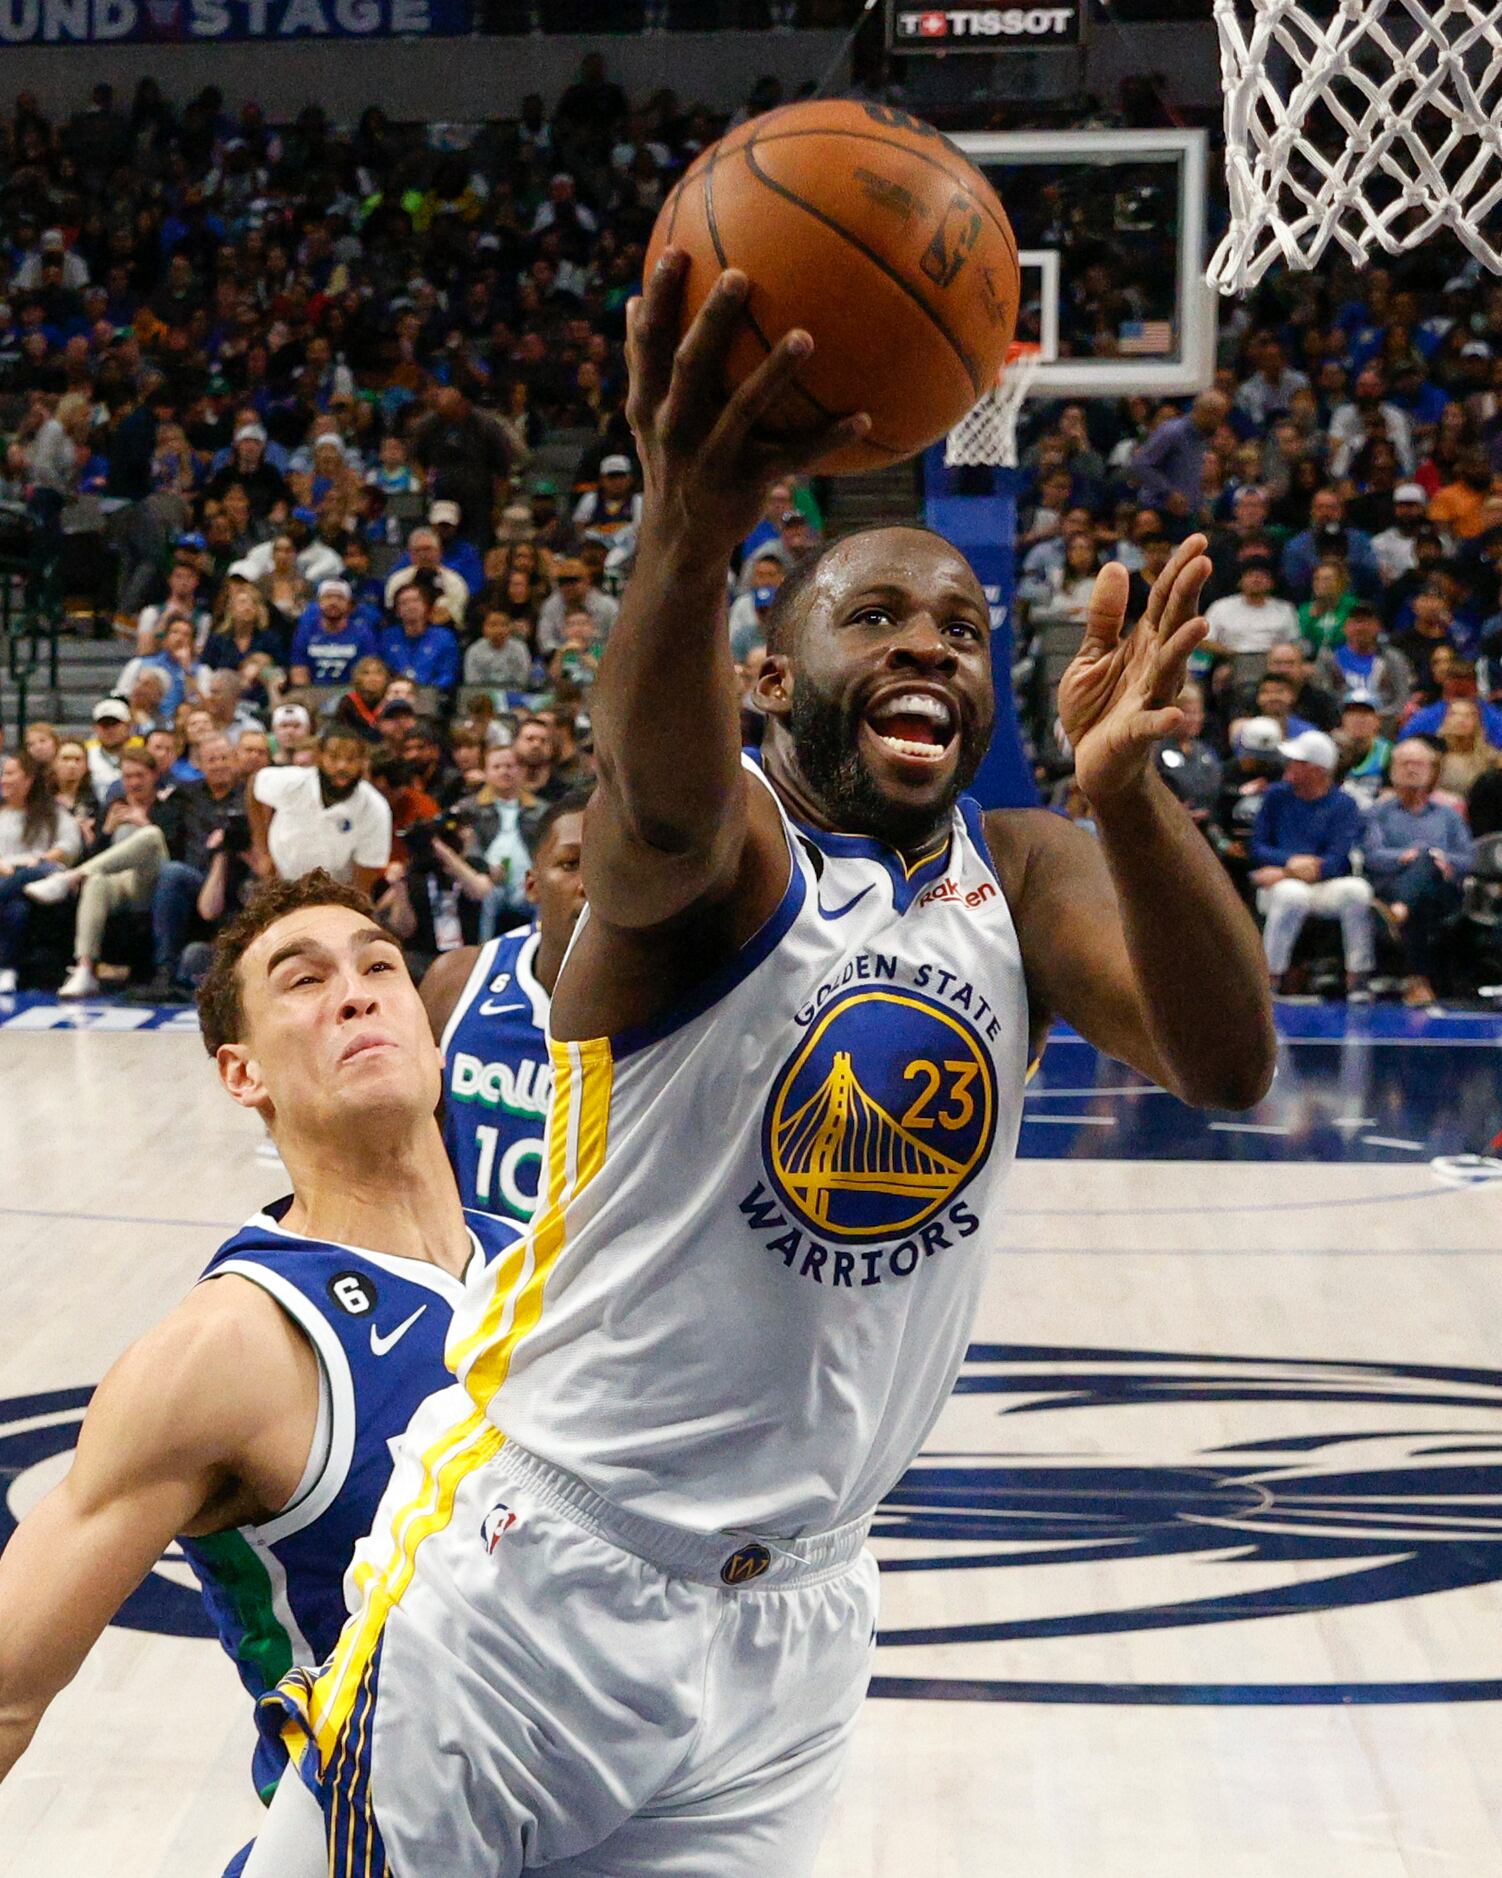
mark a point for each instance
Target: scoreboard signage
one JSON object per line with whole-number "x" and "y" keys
{"x": 983, "y": 29}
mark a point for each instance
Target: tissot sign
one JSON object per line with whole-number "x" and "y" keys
{"x": 983, "y": 29}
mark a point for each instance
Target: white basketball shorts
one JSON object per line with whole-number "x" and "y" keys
{"x": 533, "y": 1678}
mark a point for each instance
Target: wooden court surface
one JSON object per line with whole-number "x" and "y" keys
{"x": 1199, "y": 1572}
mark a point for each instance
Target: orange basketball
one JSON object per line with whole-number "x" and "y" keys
{"x": 870, "y": 230}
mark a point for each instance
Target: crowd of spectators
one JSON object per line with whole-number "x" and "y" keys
{"x": 308, "y": 383}
{"x": 1344, "y": 728}
{"x": 299, "y": 382}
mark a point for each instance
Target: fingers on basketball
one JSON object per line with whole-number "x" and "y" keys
{"x": 652, "y": 323}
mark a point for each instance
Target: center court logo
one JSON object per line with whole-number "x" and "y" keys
{"x": 36, "y": 1431}
{"x": 880, "y": 1117}
{"x": 1140, "y": 1526}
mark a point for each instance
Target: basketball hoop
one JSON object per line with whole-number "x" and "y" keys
{"x": 1374, "y": 125}
{"x": 987, "y": 433}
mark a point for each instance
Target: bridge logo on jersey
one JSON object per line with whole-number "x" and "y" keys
{"x": 1136, "y": 1526}
{"x": 880, "y": 1117}
{"x": 37, "y": 1437}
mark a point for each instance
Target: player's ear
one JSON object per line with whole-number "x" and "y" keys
{"x": 240, "y": 1074}
{"x": 773, "y": 688}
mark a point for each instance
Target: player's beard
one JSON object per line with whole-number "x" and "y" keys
{"x": 826, "y": 741}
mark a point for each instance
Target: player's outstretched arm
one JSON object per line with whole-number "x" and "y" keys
{"x": 1139, "y": 940}
{"x": 668, "y": 823}
{"x": 173, "y": 1432}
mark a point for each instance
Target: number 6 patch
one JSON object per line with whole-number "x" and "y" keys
{"x": 353, "y": 1292}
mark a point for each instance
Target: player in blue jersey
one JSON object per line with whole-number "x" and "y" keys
{"x": 488, "y": 1006}
{"x": 253, "y": 1423}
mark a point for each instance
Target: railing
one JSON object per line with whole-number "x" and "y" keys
{"x": 28, "y": 632}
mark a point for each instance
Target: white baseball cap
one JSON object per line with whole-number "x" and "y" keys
{"x": 616, "y": 466}
{"x": 1259, "y": 736}
{"x": 250, "y": 431}
{"x": 335, "y": 585}
{"x": 1311, "y": 746}
{"x": 1411, "y": 492}
{"x": 444, "y": 512}
{"x": 111, "y": 710}
{"x": 291, "y": 717}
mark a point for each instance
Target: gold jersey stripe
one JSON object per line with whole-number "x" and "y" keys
{"x": 580, "y": 1126}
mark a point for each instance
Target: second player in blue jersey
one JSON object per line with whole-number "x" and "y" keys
{"x": 489, "y": 1009}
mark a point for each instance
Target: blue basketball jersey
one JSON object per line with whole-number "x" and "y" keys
{"x": 276, "y": 1591}
{"x": 497, "y": 1080}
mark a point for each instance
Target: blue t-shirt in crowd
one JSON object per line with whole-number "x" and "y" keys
{"x": 1426, "y": 723}
{"x": 464, "y": 558}
{"x": 1357, "y": 667}
{"x": 331, "y": 658}
{"x": 430, "y": 659}
{"x": 1287, "y": 825}
{"x": 1391, "y": 830}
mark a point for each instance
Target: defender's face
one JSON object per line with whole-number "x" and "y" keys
{"x": 335, "y": 1034}
{"x": 886, "y": 692}
{"x": 555, "y": 884}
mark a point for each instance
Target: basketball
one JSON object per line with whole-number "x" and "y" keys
{"x": 870, "y": 230}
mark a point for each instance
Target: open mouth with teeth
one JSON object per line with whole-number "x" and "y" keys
{"x": 915, "y": 726}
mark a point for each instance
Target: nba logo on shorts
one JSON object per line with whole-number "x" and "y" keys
{"x": 496, "y": 1523}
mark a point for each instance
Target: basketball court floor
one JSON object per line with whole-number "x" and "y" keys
{"x": 1199, "y": 1572}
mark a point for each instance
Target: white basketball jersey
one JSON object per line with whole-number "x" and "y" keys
{"x": 749, "y": 1285}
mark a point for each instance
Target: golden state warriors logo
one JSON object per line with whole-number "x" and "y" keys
{"x": 881, "y": 1117}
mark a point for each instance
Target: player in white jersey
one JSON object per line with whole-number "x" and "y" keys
{"x": 616, "y": 1616}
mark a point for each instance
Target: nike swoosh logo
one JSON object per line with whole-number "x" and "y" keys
{"x": 499, "y": 1010}
{"x": 839, "y": 912}
{"x": 379, "y": 1345}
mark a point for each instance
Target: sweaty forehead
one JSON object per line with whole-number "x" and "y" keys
{"x": 922, "y": 564}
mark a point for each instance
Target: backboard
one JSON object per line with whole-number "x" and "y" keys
{"x": 1110, "y": 225}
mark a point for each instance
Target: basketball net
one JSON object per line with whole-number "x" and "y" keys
{"x": 1372, "y": 123}
{"x": 987, "y": 433}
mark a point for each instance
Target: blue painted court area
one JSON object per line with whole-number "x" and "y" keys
{"x": 1373, "y": 1084}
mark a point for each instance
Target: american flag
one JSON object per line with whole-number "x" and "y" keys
{"x": 1145, "y": 338}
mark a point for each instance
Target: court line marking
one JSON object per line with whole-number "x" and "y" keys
{"x": 1351, "y": 1037}
{"x": 1248, "y": 1252}
{"x": 1439, "y": 1191}
{"x": 116, "y": 1219}
{"x": 1185, "y": 1695}
{"x": 1069, "y": 1121}
{"x": 1250, "y": 1128}
{"x": 1390, "y": 1141}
